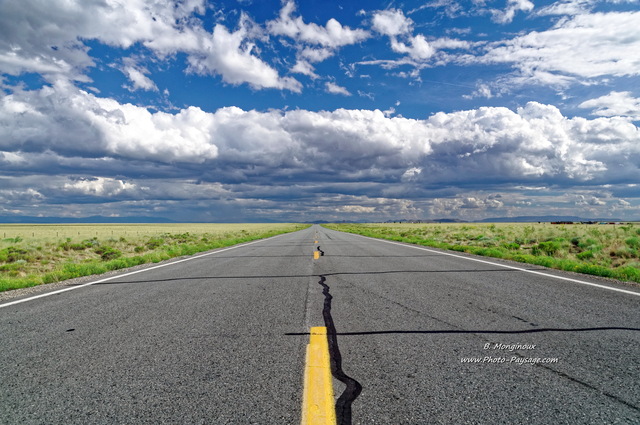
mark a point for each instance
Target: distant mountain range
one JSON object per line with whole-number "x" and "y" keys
{"x": 145, "y": 219}
{"x": 544, "y": 219}
{"x": 21, "y": 219}
{"x": 519, "y": 219}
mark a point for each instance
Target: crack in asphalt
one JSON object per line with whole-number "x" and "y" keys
{"x": 353, "y": 387}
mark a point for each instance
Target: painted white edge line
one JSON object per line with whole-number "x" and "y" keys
{"x": 503, "y": 265}
{"x": 134, "y": 272}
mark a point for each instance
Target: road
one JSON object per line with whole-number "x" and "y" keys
{"x": 220, "y": 339}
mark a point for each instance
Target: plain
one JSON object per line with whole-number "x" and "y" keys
{"x": 608, "y": 250}
{"x": 34, "y": 254}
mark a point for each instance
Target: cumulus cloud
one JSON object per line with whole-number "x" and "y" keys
{"x": 305, "y": 68}
{"x": 418, "y": 49}
{"x": 590, "y": 201}
{"x": 314, "y": 43}
{"x": 59, "y": 143}
{"x": 137, "y": 76}
{"x": 336, "y": 207}
{"x": 336, "y": 89}
{"x": 454, "y": 9}
{"x": 475, "y": 203}
{"x": 534, "y": 143}
{"x": 381, "y": 157}
{"x": 483, "y": 90}
{"x": 22, "y": 195}
{"x": 316, "y": 54}
{"x": 332, "y": 35}
{"x": 48, "y": 38}
{"x": 70, "y": 121}
{"x": 229, "y": 55}
{"x": 139, "y": 79}
{"x": 356, "y": 209}
{"x": 99, "y": 186}
{"x": 450, "y": 43}
{"x": 399, "y": 28}
{"x": 513, "y": 6}
{"x": 391, "y": 22}
{"x": 411, "y": 174}
{"x": 473, "y": 206}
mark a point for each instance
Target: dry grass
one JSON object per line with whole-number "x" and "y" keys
{"x": 605, "y": 250}
{"x": 40, "y": 253}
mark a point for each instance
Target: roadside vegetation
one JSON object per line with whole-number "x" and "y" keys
{"x": 36, "y": 254}
{"x": 611, "y": 250}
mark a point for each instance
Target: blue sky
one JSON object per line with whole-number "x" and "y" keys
{"x": 267, "y": 110}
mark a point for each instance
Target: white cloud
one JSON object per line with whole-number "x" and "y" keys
{"x": 314, "y": 43}
{"x": 48, "y": 38}
{"x": 337, "y": 207}
{"x": 371, "y": 160}
{"x": 450, "y": 43}
{"x": 389, "y": 112}
{"x": 26, "y": 195}
{"x": 450, "y": 8}
{"x": 136, "y": 75}
{"x": 419, "y": 49}
{"x": 356, "y": 209}
{"x": 333, "y": 88}
{"x": 392, "y": 23}
{"x": 316, "y": 55}
{"x": 99, "y": 186}
{"x": 506, "y": 16}
{"x": 70, "y": 121}
{"x": 589, "y": 200}
{"x": 372, "y": 157}
{"x": 483, "y": 90}
{"x": 228, "y": 54}
{"x": 332, "y": 35}
{"x": 368, "y": 95}
{"x": 576, "y": 7}
{"x": 305, "y": 68}
{"x": 566, "y": 7}
{"x": 411, "y": 174}
{"x": 399, "y": 28}
{"x": 12, "y": 158}
{"x": 585, "y": 46}
{"x": 134, "y": 132}
{"x": 614, "y": 104}
{"x": 469, "y": 206}
{"x": 139, "y": 80}
{"x": 534, "y": 145}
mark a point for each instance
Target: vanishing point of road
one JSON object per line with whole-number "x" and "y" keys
{"x": 416, "y": 336}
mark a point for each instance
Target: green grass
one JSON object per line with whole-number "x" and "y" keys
{"x": 601, "y": 250}
{"x": 32, "y": 255}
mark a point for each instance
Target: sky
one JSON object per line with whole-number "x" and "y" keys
{"x": 303, "y": 110}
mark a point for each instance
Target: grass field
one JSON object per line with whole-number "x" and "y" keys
{"x": 603, "y": 250}
{"x": 34, "y": 254}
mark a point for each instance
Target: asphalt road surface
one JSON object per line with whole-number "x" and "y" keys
{"x": 417, "y": 336}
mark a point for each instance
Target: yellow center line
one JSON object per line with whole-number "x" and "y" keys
{"x": 316, "y": 255}
{"x": 318, "y": 406}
